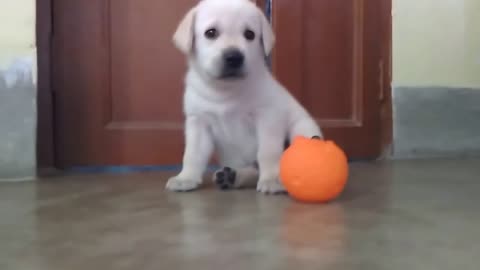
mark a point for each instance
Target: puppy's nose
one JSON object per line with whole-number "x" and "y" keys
{"x": 233, "y": 58}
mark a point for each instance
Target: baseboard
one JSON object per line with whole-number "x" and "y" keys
{"x": 17, "y": 180}
{"x": 436, "y": 122}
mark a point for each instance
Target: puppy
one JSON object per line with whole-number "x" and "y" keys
{"x": 232, "y": 103}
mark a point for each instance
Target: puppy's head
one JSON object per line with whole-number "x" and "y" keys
{"x": 225, "y": 39}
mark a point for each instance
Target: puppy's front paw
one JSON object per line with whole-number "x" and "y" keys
{"x": 182, "y": 185}
{"x": 270, "y": 187}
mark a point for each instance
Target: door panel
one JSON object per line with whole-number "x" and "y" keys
{"x": 118, "y": 81}
{"x": 328, "y": 55}
{"x": 144, "y": 83}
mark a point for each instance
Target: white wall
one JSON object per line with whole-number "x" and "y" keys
{"x": 17, "y": 89}
{"x": 436, "y": 43}
{"x": 17, "y": 30}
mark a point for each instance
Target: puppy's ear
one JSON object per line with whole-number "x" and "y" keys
{"x": 268, "y": 37}
{"x": 184, "y": 35}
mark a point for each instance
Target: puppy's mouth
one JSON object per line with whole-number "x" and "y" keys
{"x": 232, "y": 75}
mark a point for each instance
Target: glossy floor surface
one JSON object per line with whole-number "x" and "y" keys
{"x": 401, "y": 215}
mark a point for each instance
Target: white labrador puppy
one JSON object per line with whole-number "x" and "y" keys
{"x": 232, "y": 103}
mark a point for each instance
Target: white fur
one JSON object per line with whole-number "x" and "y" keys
{"x": 246, "y": 121}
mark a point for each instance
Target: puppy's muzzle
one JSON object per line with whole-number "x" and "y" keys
{"x": 233, "y": 63}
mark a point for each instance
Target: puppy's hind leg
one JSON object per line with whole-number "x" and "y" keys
{"x": 229, "y": 178}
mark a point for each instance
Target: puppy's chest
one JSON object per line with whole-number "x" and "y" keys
{"x": 233, "y": 126}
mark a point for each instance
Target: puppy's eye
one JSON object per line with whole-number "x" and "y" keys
{"x": 211, "y": 33}
{"x": 249, "y": 35}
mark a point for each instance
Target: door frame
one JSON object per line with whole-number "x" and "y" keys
{"x": 46, "y": 94}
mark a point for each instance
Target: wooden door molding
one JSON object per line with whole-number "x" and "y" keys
{"x": 387, "y": 101}
{"x": 45, "y": 127}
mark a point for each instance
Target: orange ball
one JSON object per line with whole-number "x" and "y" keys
{"x": 314, "y": 170}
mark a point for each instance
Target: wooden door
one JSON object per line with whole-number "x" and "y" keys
{"x": 329, "y": 54}
{"x": 118, "y": 80}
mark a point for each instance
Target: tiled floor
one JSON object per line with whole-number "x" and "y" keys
{"x": 403, "y": 215}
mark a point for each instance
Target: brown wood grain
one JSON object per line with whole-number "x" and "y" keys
{"x": 329, "y": 54}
